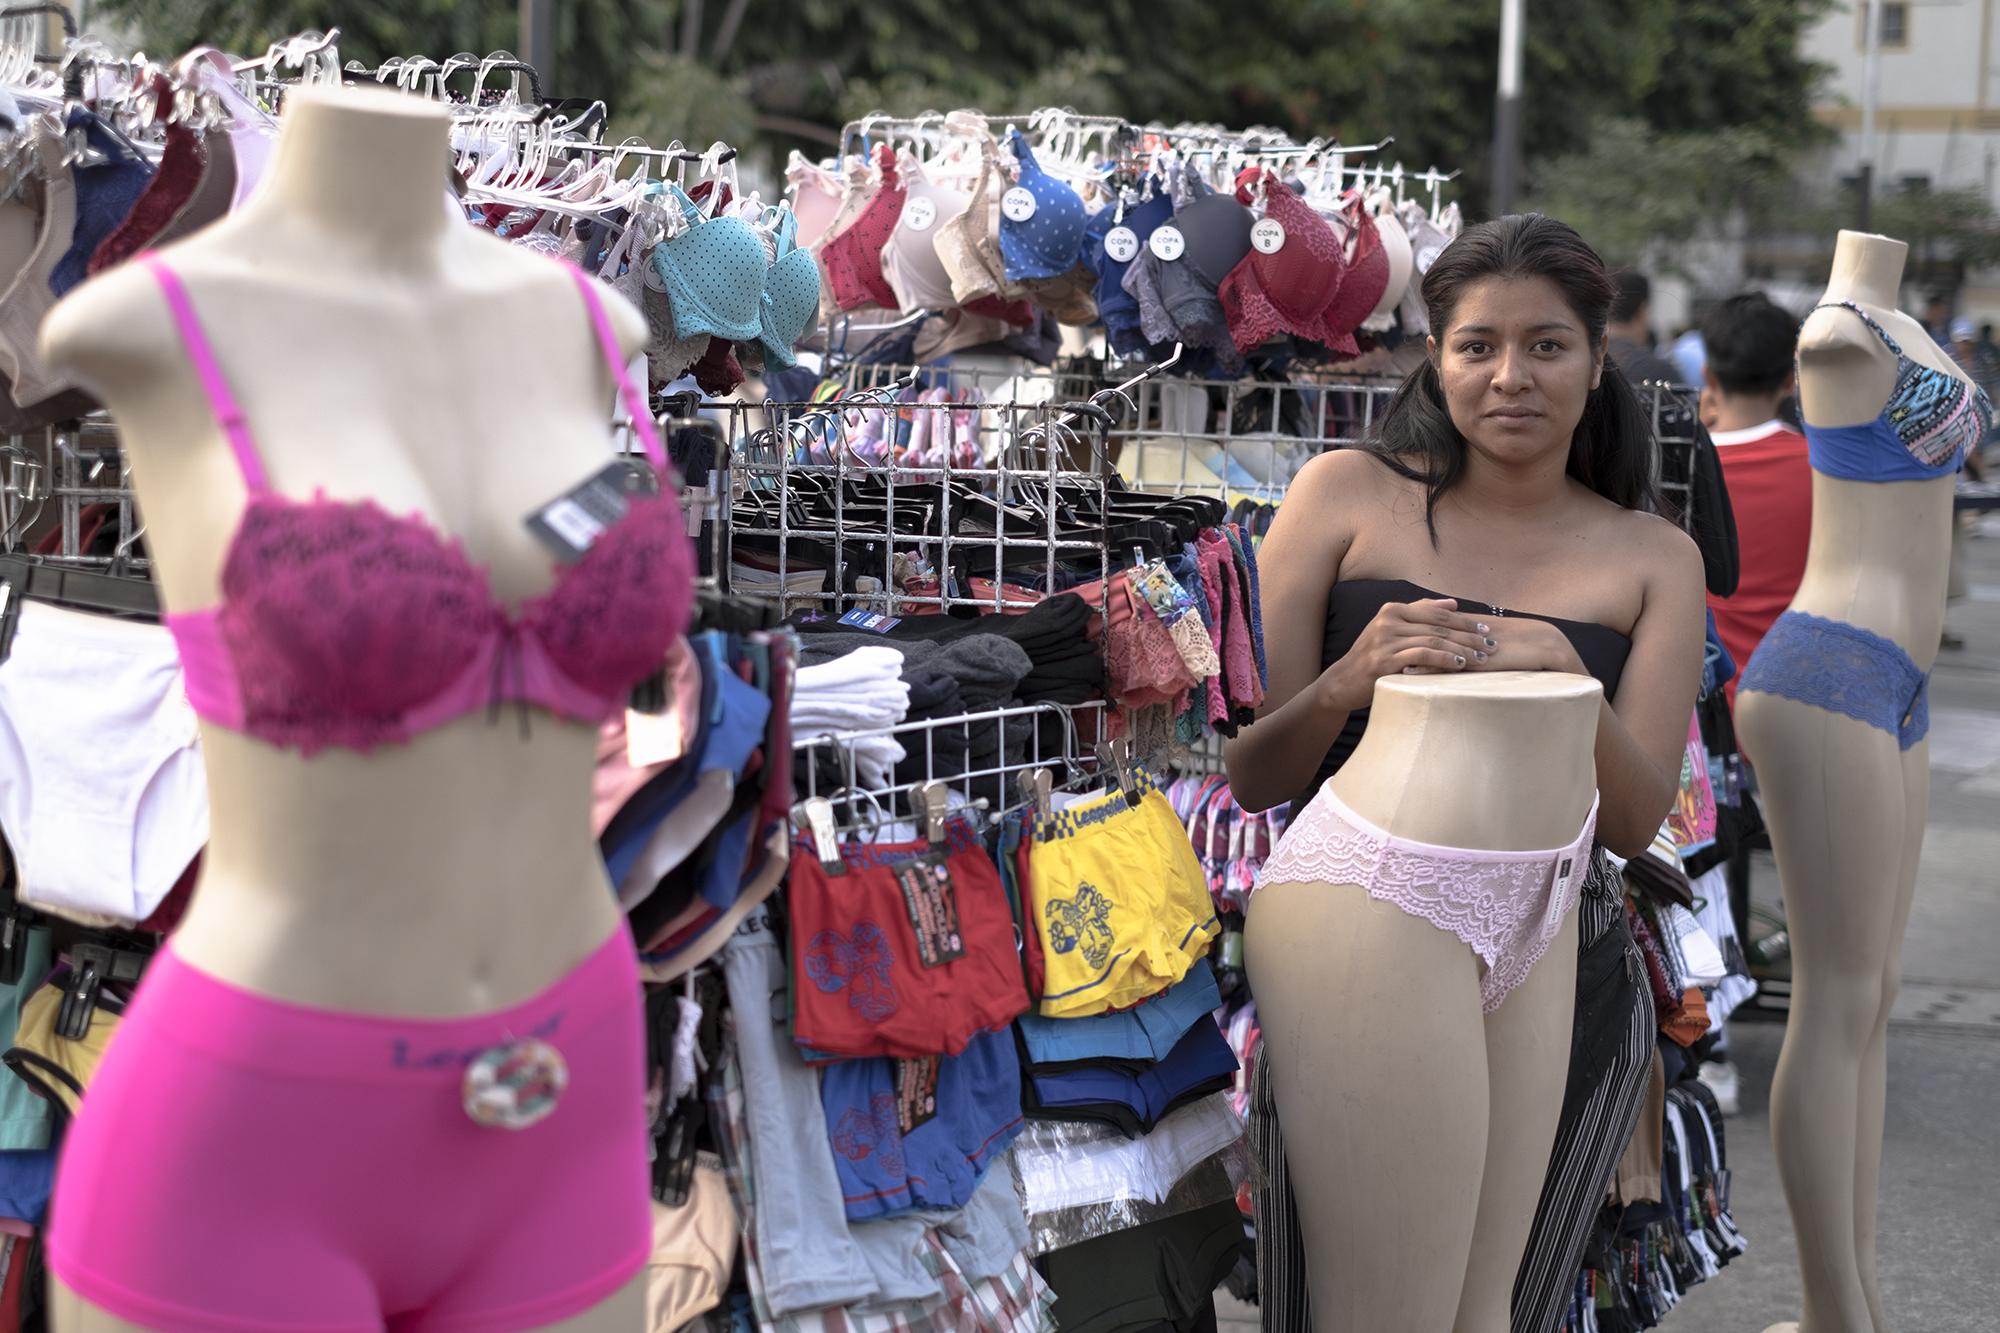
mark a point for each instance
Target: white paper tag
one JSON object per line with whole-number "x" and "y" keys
{"x": 1565, "y": 868}
{"x": 654, "y": 738}
{"x": 1018, "y": 204}
{"x": 1167, "y": 242}
{"x": 919, "y": 214}
{"x": 1268, "y": 236}
{"x": 573, "y": 523}
{"x": 1122, "y": 244}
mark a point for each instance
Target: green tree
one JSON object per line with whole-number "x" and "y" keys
{"x": 1420, "y": 70}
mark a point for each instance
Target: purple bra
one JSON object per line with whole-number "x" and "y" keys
{"x": 341, "y": 624}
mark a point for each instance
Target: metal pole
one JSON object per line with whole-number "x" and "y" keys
{"x": 1871, "y": 84}
{"x": 538, "y": 40}
{"x": 1507, "y": 108}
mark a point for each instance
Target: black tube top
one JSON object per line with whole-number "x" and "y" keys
{"x": 1354, "y": 602}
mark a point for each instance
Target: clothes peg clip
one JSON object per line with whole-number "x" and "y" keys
{"x": 14, "y": 929}
{"x": 815, "y": 814}
{"x": 79, "y": 1001}
{"x": 935, "y": 801}
{"x": 1037, "y": 789}
{"x": 1116, "y": 755}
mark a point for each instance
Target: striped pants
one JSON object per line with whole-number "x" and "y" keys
{"x": 1611, "y": 1056}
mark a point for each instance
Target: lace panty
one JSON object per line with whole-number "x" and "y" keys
{"x": 1843, "y": 669}
{"x": 1506, "y": 906}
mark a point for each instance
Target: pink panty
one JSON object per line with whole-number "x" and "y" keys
{"x": 1507, "y": 906}
{"x": 240, "y": 1163}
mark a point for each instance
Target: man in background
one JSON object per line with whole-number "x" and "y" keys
{"x": 1751, "y": 343}
{"x": 1631, "y": 332}
{"x": 1937, "y": 320}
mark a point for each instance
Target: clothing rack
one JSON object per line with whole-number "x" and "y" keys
{"x": 1049, "y": 737}
{"x": 795, "y": 480}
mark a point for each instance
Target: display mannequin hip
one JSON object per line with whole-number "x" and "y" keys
{"x": 1419, "y": 1129}
{"x": 1846, "y": 801}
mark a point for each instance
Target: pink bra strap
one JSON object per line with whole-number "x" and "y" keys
{"x": 228, "y": 413}
{"x": 635, "y": 402}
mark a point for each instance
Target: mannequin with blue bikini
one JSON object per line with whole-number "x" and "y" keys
{"x": 1833, "y": 711}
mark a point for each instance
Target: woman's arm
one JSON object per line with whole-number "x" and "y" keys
{"x": 1642, "y": 736}
{"x": 1306, "y": 706}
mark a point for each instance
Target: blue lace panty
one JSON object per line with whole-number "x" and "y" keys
{"x": 1843, "y": 669}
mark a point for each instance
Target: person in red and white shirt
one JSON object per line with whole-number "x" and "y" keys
{"x": 1751, "y": 344}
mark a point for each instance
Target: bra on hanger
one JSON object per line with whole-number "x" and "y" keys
{"x": 32, "y": 385}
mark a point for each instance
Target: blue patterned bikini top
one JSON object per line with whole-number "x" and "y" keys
{"x": 1931, "y": 420}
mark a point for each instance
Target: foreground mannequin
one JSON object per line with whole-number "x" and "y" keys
{"x": 1439, "y": 1149}
{"x": 384, "y": 353}
{"x": 1832, "y": 712}
{"x": 1510, "y": 472}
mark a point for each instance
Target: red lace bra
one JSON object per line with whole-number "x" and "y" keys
{"x": 341, "y": 624}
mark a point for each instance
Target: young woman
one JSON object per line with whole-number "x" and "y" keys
{"x": 1502, "y": 520}
{"x": 1510, "y": 487}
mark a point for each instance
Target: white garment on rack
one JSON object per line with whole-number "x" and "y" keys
{"x": 102, "y": 794}
{"x": 862, "y": 691}
{"x": 1097, "y": 1164}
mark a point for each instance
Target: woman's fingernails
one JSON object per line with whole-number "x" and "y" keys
{"x": 1483, "y": 629}
{"x": 1481, "y": 656}
{"x": 1409, "y": 671}
{"x": 1458, "y": 659}
{"x": 1489, "y": 642}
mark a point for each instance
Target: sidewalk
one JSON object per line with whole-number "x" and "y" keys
{"x": 1940, "y": 1216}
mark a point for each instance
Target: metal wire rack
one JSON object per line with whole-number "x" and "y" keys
{"x": 1004, "y": 742}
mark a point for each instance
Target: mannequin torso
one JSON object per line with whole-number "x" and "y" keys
{"x": 1879, "y": 551}
{"x": 1426, "y": 733}
{"x": 379, "y": 353}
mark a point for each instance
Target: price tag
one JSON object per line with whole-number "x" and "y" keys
{"x": 871, "y": 620}
{"x": 1559, "y": 890}
{"x": 1268, "y": 236}
{"x": 916, "y": 1092}
{"x": 919, "y": 214}
{"x": 932, "y": 903}
{"x": 1122, "y": 244}
{"x": 1167, "y": 242}
{"x": 571, "y": 523}
{"x": 1426, "y": 256}
{"x": 1018, "y": 204}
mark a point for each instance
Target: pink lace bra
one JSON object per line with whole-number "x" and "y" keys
{"x": 341, "y": 624}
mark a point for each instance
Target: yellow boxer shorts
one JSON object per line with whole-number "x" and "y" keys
{"x": 1119, "y": 902}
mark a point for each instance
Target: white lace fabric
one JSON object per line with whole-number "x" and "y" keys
{"x": 1506, "y": 906}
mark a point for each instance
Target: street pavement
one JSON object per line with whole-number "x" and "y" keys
{"x": 1939, "y": 1250}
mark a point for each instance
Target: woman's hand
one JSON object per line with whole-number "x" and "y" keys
{"x": 1431, "y": 635}
{"x": 1530, "y": 645}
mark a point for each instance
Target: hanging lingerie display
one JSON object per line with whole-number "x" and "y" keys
{"x": 923, "y": 1068}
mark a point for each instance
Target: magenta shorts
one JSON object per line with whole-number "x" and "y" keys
{"x": 241, "y": 1163}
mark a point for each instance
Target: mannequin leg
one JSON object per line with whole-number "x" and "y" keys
{"x": 1875, "y": 1064}
{"x": 1527, "y": 1063}
{"x": 623, "y": 1312}
{"x": 1378, "y": 1061}
{"x": 1840, "y": 815}
{"x": 70, "y": 1313}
